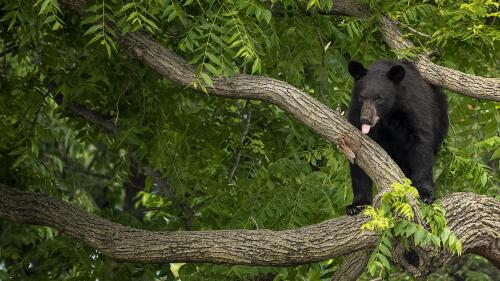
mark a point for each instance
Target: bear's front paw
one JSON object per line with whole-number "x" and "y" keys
{"x": 354, "y": 209}
{"x": 427, "y": 199}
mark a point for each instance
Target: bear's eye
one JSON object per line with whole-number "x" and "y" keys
{"x": 378, "y": 98}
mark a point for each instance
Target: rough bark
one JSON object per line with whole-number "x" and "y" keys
{"x": 353, "y": 267}
{"x": 475, "y": 219}
{"x": 453, "y": 80}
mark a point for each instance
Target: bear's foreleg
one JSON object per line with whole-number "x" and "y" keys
{"x": 362, "y": 191}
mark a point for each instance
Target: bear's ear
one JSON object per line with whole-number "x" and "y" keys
{"x": 396, "y": 73}
{"x": 356, "y": 69}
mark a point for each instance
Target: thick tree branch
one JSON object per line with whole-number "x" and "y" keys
{"x": 467, "y": 84}
{"x": 475, "y": 219}
{"x": 255, "y": 247}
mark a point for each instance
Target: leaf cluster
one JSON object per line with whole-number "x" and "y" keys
{"x": 394, "y": 220}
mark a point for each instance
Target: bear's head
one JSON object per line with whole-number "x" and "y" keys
{"x": 375, "y": 90}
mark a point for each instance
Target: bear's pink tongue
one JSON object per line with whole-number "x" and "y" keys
{"x": 365, "y": 128}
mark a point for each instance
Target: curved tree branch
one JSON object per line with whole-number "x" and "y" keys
{"x": 254, "y": 247}
{"x": 454, "y": 80}
{"x": 475, "y": 219}
{"x": 319, "y": 117}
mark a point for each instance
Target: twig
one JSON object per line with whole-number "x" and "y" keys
{"x": 413, "y": 30}
{"x": 8, "y": 50}
{"x": 323, "y": 65}
{"x": 246, "y": 118}
{"x": 89, "y": 115}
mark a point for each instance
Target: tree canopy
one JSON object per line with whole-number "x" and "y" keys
{"x": 206, "y": 140}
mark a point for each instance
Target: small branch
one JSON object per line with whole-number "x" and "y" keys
{"x": 91, "y": 116}
{"x": 134, "y": 184}
{"x": 324, "y": 74}
{"x": 246, "y": 119}
{"x": 413, "y": 30}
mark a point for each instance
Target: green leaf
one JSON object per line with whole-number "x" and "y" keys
{"x": 436, "y": 241}
{"x": 92, "y": 29}
{"x": 20, "y": 160}
{"x": 56, "y": 26}
{"x": 45, "y": 6}
{"x": 385, "y": 250}
{"x": 256, "y": 67}
{"x": 214, "y": 59}
{"x": 384, "y": 261}
{"x": 267, "y": 16}
{"x": 126, "y": 7}
{"x": 206, "y": 79}
{"x": 91, "y": 19}
{"x": 419, "y": 236}
{"x": 211, "y": 69}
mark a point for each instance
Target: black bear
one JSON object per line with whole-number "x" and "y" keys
{"x": 405, "y": 115}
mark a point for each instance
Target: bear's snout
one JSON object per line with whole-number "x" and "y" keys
{"x": 369, "y": 114}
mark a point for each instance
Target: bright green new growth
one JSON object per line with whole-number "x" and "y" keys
{"x": 394, "y": 220}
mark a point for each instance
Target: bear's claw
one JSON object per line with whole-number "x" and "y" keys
{"x": 354, "y": 209}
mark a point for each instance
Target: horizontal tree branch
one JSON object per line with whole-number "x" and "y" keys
{"x": 255, "y": 247}
{"x": 475, "y": 219}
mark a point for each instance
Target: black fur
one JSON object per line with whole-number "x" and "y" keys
{"x": 407, "y": 116}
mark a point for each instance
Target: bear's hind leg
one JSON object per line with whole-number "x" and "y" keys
{"x": 421, "y": 163}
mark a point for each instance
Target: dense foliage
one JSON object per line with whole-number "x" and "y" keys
{"x": 177, "y": 158}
